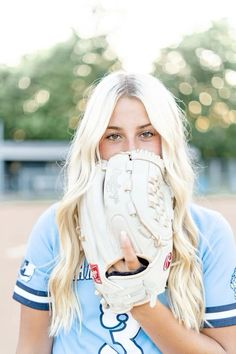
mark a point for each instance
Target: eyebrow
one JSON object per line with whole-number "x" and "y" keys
{"x": 119, "y": 128}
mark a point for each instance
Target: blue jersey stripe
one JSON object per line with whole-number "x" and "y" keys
{"x": 30, "y": 290}
{"x": 29, "y": 303}
{"x": 222, "y": 322}
{"x": 220, "y": 308}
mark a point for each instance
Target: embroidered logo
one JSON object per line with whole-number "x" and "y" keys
{"x": 233, "y": 282}
{"x": 27, "y": 270}
{"x": 167, "y": 261}
{"x": 95, "y": 273}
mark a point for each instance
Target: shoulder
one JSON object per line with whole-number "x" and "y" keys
{"x": 216, "y": 238}
{"x": 217, "y": 246}
{"x": 47, "y": 218}
{"x": 40, "y": 257}
{"x": 217, "y": 251}
{"x": 211, "y": 224}
{"x": 205, "y": 217}
{"x": 44, "y": 233}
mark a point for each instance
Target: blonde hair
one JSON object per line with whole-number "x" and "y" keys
{"x": 185, "y": 288}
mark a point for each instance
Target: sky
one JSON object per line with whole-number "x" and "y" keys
{"x": 136, "y": 29}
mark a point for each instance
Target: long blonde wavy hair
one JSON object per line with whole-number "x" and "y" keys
{"x": 185, "y": 288}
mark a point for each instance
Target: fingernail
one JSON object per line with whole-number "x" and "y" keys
{"x": 123, "y": 236}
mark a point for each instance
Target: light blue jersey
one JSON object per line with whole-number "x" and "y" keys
{"x": 105, "y": 332}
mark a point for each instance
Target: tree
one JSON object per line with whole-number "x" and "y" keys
{"x": 43, "y": 98}
{"x": 201, "y": 73}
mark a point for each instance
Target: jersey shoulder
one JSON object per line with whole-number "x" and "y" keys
{"x": 217, "y": 250}
{"x": 31, "y": 287}
{"x": 212, "y": 226}
{"x": 44, "y": 233}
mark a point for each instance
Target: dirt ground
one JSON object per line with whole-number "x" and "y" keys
{"x": 17, "y": 219}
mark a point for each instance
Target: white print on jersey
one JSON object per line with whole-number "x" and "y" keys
{"x": 106, "y": 349}
{"x": 233, "y": 282}
{"x": 84, "y": 272}
{"x": 27, "y": 270}
{"x": 123, "y": 329}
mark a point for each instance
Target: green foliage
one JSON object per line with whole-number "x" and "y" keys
{"x": 201, "y": 73}
{"x": 43, "y": 98}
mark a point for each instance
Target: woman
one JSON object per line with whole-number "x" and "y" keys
{"x": 197, "y": 313}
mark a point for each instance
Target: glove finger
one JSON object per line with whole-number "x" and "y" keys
{"x": 131, "y": 260}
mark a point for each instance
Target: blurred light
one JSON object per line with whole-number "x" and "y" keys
{"x": 185, "y": 88}
{"x": 224, "y": 122}
{"x": 176, "y": 58}
{"x": 30, "y": 106}
{"x": 82, "y": 46}
{"x": 195, "y": 107}
{"x": 221, "y": 108}
{"x": 227, "y": 119}
{"x": 205, "y": 98}
{"x": 42, "y": 96}
{"x": 209, "y": 59}
{"x": 91, "y": 58}
{"x": 19, "y": 134}
{"x": 81, "y": 105}
{"x": 230, "y": 77}
{"x": 24, "y": 82}
{"x": 108, "y": 54}
{"x": 73, "y": 122}
{"x": 186, "y": 71}
{"x": 175, "y": 63}
{"x": 171, "y": 68}
{"x": 202, "y": 124}
{"x": 232, "y": 116}
{"x": 224, "y": 93}
{"x": 82, "y": 70}
{"x": 217, "y": 82}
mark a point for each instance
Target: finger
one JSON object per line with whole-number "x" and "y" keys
{"x": 130, "y": 257}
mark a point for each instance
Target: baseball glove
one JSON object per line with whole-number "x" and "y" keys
{"x": 128, "y": 193}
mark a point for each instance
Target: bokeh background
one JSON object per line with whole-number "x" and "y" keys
{"x": 51, "y": 53}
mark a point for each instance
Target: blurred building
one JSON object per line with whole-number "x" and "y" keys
{"x": 217, "y": 176}
{"x": 31, "y": 169}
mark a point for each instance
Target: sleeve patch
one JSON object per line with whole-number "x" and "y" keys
{"x": 233, "y": 283}
{"x": 27, "y": 270}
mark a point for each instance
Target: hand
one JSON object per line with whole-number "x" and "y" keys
{"x": 130, "y": 262}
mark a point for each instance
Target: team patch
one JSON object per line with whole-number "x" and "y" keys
{"x": 27, "y": 270}
{"x": 167, "y": 261}
{"x": 233, "y": 282}
{"x": 95, "y": 273}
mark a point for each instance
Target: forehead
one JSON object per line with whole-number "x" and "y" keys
{"x": 129, "y": 109}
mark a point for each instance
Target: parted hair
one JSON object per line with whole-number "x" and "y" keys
{"x": 185, "y": 286}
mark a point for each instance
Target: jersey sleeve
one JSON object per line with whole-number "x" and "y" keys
{"x": 31, "y": 288}
{"x": 218, "y": 252}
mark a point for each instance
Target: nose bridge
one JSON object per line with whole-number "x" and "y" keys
{"x": 131, "y": 142}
